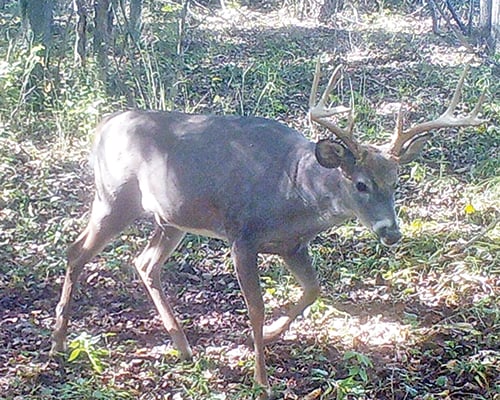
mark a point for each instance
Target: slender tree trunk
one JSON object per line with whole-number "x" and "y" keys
{"x": 495, "y": 26}
{"x": 435, "y": 17}
{"x": 81, "y": 32}
{"x": 101, "y": 8}
{"x": 470, "y": 20}
{"x": 39, "y": 15}
{"x": 485, "y": 18}
{"x": 134, "y": 19}
{"x": 456, "y": 17}
{"x": 112, "y": 7}
{"x": 329, "y": 8}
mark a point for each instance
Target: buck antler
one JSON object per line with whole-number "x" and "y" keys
{"x": 403, "y": 139}
{"x": 320, "y": 111}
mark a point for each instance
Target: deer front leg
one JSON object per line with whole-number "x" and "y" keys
{"x": 148, "y": 265}
{"x": 245, "y": 261}
{"x": 300, "y": 265}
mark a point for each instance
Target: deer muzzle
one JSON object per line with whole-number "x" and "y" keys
{"x": 387, "y": 231}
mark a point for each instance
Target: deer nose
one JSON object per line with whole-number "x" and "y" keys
{"x": 387, "y": 231}
{"x": 390, "y": 237}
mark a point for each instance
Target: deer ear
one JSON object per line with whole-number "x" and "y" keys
{"x": 332, "y": 155}
{"x": 412, "y": 151}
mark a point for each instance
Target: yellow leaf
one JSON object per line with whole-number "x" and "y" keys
{"x": 469, "y": 209}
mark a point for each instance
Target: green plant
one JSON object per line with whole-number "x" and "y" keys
{"x": 86, "y": 389}
{"x": 357, "y": 379}
{"x": 357, "y": 365}
{"x": 86, "y": 345}
{"x": 348, "y": 386}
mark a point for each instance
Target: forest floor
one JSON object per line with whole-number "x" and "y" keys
{"x": 417, "y": 321}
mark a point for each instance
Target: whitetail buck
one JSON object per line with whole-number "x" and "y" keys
{"x": 259, "y": 185}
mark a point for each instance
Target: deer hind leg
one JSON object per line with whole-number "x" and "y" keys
{"x": 300, "y": 265}
{"x": 107, "y": 219}
{"x": 164, "y": 241}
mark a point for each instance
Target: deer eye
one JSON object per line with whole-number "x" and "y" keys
{"x": 361, "y": 187}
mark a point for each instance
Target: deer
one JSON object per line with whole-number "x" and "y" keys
{"x": 256, "y": 183}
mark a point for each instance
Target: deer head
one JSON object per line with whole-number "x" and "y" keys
{"x": 373, "y": 170}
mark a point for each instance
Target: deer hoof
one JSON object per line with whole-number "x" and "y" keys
{"x": 58, "y": 349}
{"x": 273, "y": 331}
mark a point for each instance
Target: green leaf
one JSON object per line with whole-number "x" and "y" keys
{"x": 96, "y": 364}
{"x": 441, "y": 380}
{"x": 74, "y": 354}
{"x": 363, "y": 375}
{"x": 320, "y": 372}
{"x": 349, "y": 354}
{"x": 416, "y": 225}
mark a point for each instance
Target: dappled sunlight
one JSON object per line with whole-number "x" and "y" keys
{"x": 244, "y": 18}
{"x": 373, "y": 331}
{"x": 350, "y": 330}
{"x": 440, "y": 55}
{"x": 232, "y": 355}
{"x": 396, "y": 23}
{"x": 389, "y": 108}
{"x": 424, "y": 313}
{"x": 450, "y": 287}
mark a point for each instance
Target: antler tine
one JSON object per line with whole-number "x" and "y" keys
{"x": 403, "y": 138}
{"x": 331, "y": 83}
{"x": 320, "y": 109}
{"x": 458, "y": 91}
{"x": 398, "y": 129}
{"x": 472, "y": 116}
{"x": 314, "y": 88}
{"x": 479, "y": 106}
{"x": 318, "y": 112}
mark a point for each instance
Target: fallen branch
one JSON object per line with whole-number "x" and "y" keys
{"x": 474, "y": 239}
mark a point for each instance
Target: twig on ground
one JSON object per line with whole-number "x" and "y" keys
{"x": 474, "y": 239}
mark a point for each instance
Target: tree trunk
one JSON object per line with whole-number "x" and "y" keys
{"x": 101, "y": 41}
{"x": 485, "y": 18}
{"x": 330, "y": 8}
{"x": 81, "y": 32}
{"x": 435, "y": 17}
{"x": 39, "y": 14}
{"x": 489, "y": 24}
{"x": 495, "y": 26}
{"x": 456, "y": 17}
{"x": 134, "y": 19}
